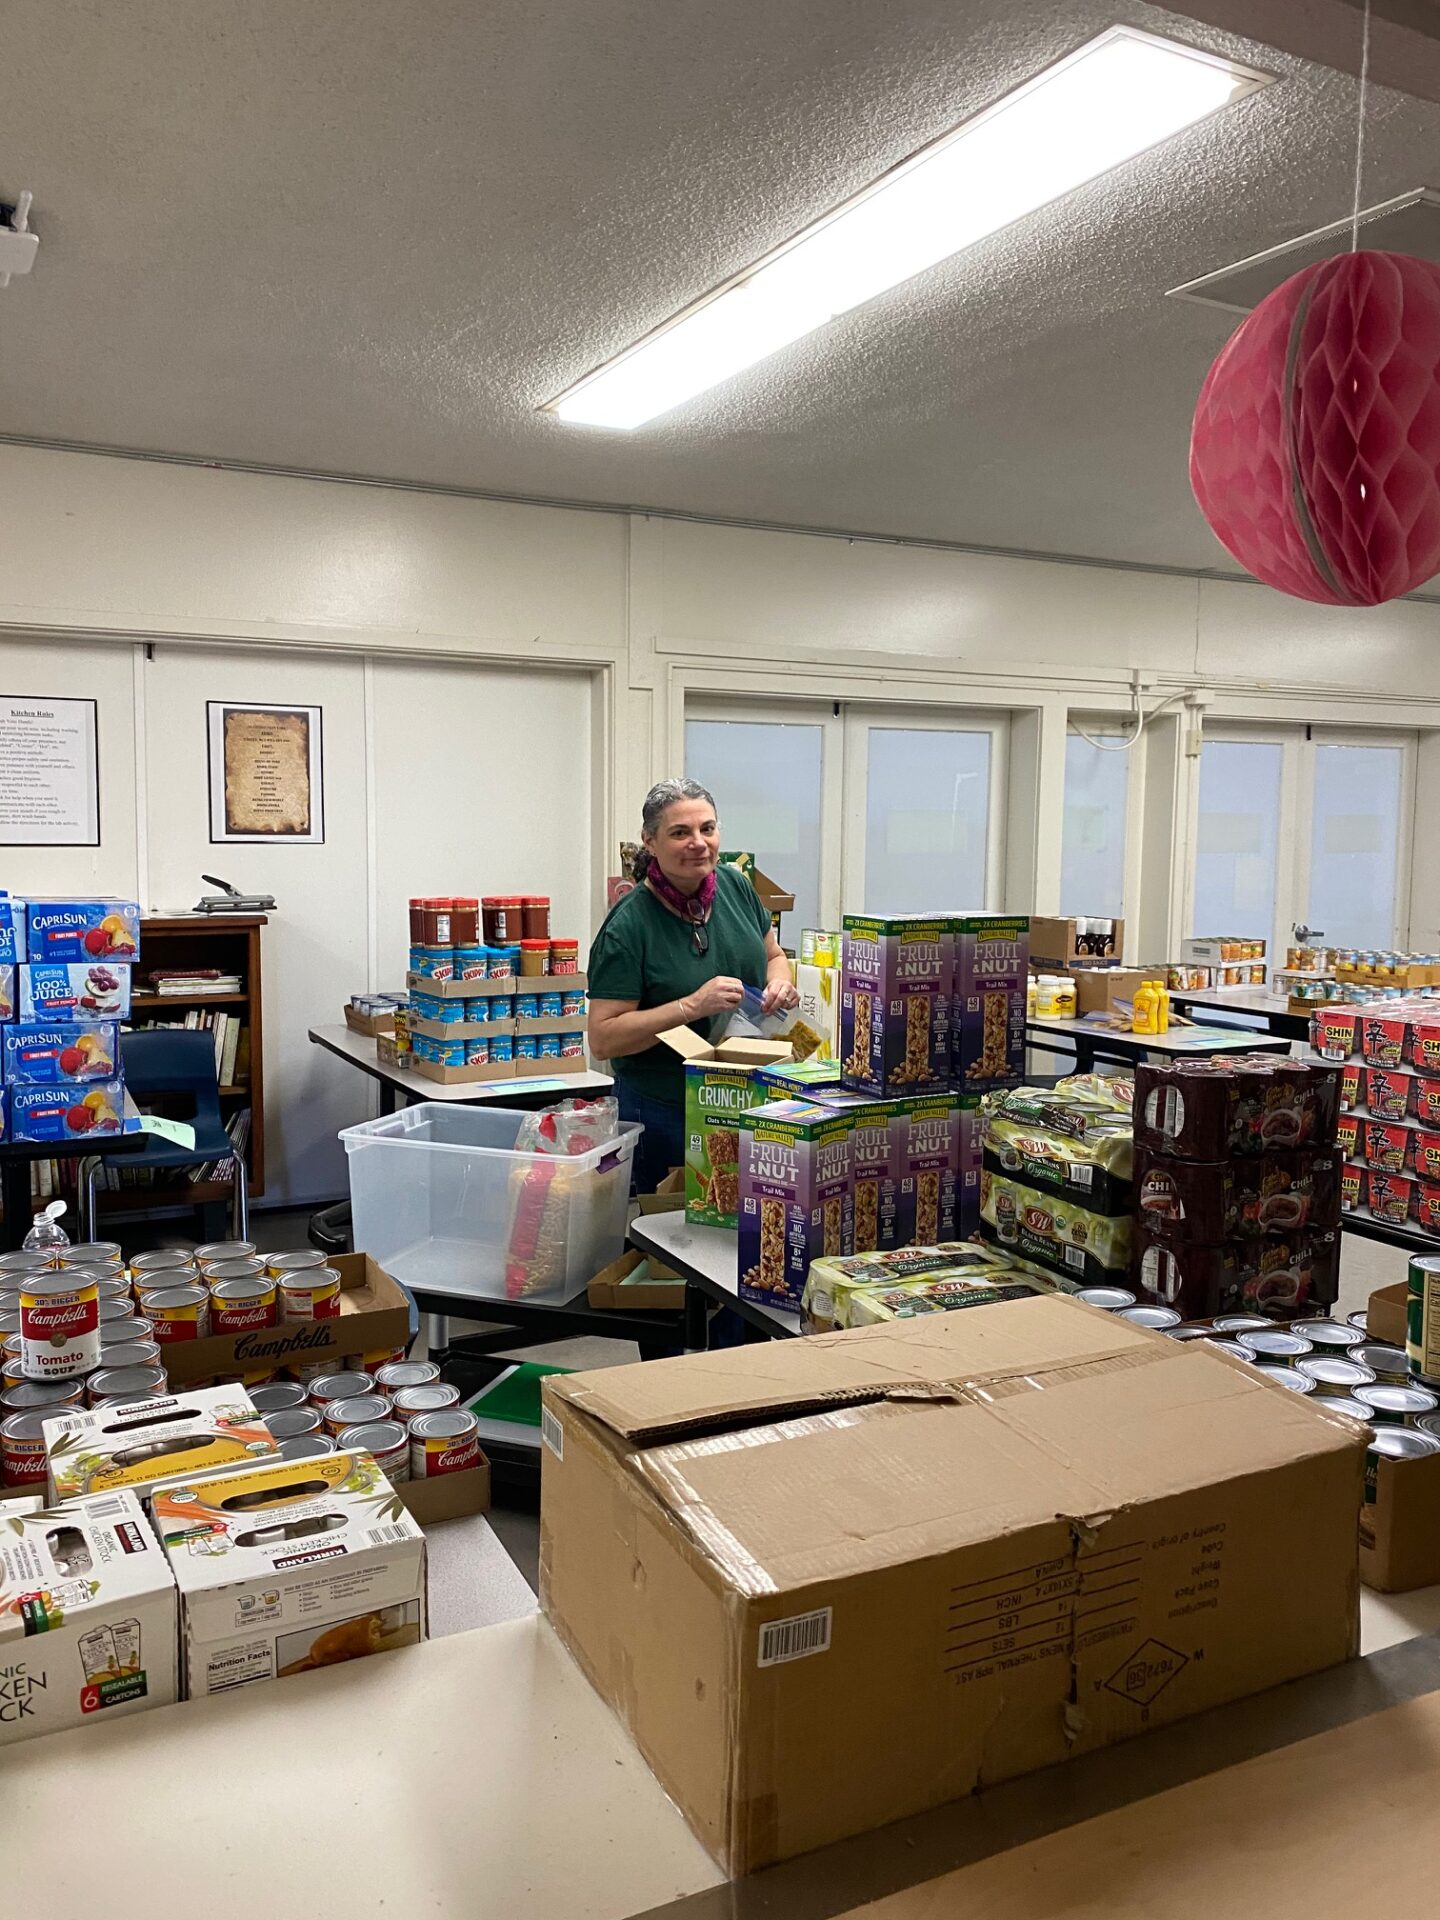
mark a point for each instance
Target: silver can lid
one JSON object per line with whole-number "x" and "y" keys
{"x": 277, "y": 1394}
{"x": 1407, "y": 1402}
{"x": 379, "y": 1437}
{"x": 1328, "y": 1335}
{"x": 1112, "y": 1299}
{"x": 308, "y": 1446}
{"x": 1334, "y": 1375}
{"x": 454, "y": 1424}
{"x": 1402, "y": 1443}
{"x": 413, "y": 1401}
{"x": 1240, "y": 1322}
{"x": 358, "y": 1411}
{"x": 1160, "y": 1318}
{"x": 1386, "y": 1363}
{"x": 340, "y": 1386}
{"x": 1285, "y": 1377}
{"x": 288, "y": 1423}
{"x": 1233, "y": 1348}
{"x": 398, "y": 1375}
{"x": 143, "y": 1383}
{"x": 1275, "y": 1343}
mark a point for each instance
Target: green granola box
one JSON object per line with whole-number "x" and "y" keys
{"x": 715, "y": 1097}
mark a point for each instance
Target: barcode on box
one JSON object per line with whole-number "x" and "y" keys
{"x": 552, "y": 1433}
{"x": 389, "y": 1536}
{"x": 793, "y": 1639}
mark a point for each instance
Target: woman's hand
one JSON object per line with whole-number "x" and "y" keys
{"x": 716, "y": 996}
{"x": 779, "y": 997}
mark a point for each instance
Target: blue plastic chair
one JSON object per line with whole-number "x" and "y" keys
{"x": 176, "y": 1064}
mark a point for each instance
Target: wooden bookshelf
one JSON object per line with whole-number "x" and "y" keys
{"x": 230, "y": 943}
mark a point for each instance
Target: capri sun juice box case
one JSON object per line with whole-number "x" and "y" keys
{"x": 992, "y": 960}
{"x": 73, "y": 930}
{"x": 60, "y": 1053}
{"x": 896, "y": 981}
{"x": 795, "y": 1196}
{"x": 87, "y": 1616}
{"x": 58, "y": 1114}
{"x": 82, "y": 990}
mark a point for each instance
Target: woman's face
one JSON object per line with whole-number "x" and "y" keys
{"x": 686, "y": 843}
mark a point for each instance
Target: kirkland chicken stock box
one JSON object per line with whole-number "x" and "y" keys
{"x": 992, "y": 965}
{"x": 136, "y": 1443}
{"x": 896, "y": 978}
{"x": 294, "y": 1565}
{"x": 87, "y": 1615}
{"x": 873, "y": 1571}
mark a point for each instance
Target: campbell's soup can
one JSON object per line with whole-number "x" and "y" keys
{"x": 215, "y": 1253}
{"x": 91, "y": 1253}
{"x": 240, "y": 1303}
{"x": 122, "y": 1330}
{"x": 115, "y": 1307}
{"x": 445, "y": 1442}
{"x": 386, "y": 1442}
{"x": 306, "y": 1446}
{"x": 373, "y": 1361}
{"x": 59, "y": 1325}
{"x": 12, "y": 1372}
{"x": 410, "y": 1402}
{"x": 397, "y": 1375}
{"x": 14, "y": 1266}
{"x": 251, "y": 1267}
{"x": 289, "y": 1423}
{"x": 339, "y": 1386}
{"x": 42, "y": 1396}
{"x": 111, "y": 1285}
{"x": 131, "y": 1353}
{"x": 297, "y": 1260}
{"x": 310, "y": 1293}
{"x": 360, "y": 1410}
{"x": 161, "y": 1260}
{"x": 278, "y": 1397}
{"x": 22, "y": 1449}
{"x": 126, "y": 1383}
{"x": 178, "y": 1313}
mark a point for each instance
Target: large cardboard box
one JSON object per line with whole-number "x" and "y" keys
{"x": 1060, "y": 943}
{"x": 294, "y": 1565}
{"x": 873, "y": 1571}
{"x": 1400, "y": 1524}
{"x": 374, "y": 1317}
{"x": 661, "y": 1289}
{"x": 87, "y": 1615}
{"x": 1103, "y": 989}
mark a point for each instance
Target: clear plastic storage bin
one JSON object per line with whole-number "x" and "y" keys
{"x": 440, "y": 1197}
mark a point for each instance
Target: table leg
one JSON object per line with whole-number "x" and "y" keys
{"x": 437, "y": 1334}
{"x": 15, "y": 1191}
{"x": 695, "y": 1326}
{"x": 389, "y": 1097}
{"x": 1084, "y": 1055}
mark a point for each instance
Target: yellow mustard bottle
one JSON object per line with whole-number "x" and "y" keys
{"x": 1144, "y": 1010}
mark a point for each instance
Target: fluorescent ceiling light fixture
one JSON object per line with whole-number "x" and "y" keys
{"x": 1113, "y": 98}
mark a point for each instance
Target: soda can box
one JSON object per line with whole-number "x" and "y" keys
{"x": 795, "y": 1197}
{"x": 70, "y": 930}
{"x": 66, "y": 1113}
{"x": 929, "y": 1156}
{"x": 73, "y": 991}
{"x": 87, "y": 1616}
{"x": 875, "y": 1148}
{"x": 290, "y": 1566}
{"x": 992, "y": 961}
{"x": 896, "y": 982}
{"x": 39, "y": 1053}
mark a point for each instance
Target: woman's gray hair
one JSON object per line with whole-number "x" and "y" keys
{"x": 662, "y": 795}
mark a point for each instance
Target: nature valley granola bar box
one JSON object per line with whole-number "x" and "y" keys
{"x": 293, "y": 1565}
{"x": 87, "y": 1615}
{"x": 992, "y": 960}
{"x": 928, "y": 1161}
{"x": 795, "y": 1196}
{"x": 715, "y": 1098}
{"x": 896, "y": 981}
{"x": 875, "y": 1155}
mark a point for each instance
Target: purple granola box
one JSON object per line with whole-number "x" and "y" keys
{"x": 969, "y": 1155}
{"x": 795, "y": 1196}
{"x": 992, "y": 959}
{"x": 929, "y": 1148}
{"x": 875, "y": 1165}
{"x": 896, "y": 982}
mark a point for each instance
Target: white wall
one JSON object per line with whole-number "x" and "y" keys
{"x": 504, "y": 681}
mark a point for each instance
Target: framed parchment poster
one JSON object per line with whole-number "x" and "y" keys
{"x": 266, "y": 773}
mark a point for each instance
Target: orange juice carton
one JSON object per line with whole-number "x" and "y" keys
{"x": 67, "y": 1113}
{"x": 60, "y": 1052}
{"x": 140, "y": 1443}
{"x": 87, "y": 1615}
{"x": 67, "y": 929}
{"x": 293, "y": 1565}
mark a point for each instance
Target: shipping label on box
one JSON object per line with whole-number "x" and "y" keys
{"x": 843, "y": 1547}
{"x": 928, "y": 1158}
{"x": 715, "y": 1097}
{"x": 44, "y": 1114}
{"x": 897, "y": 976}
{"x": 82, "y": 991}
{"x": 795, "y": 1196}
{"x": 63, "y": 929}
{"x": 288, "y": 1567}
{"x": 138, "y": 1443}
{"x": 51, "y": 1053}
{"x": 87, "y": 1615}
{"x": 992, "y": 960}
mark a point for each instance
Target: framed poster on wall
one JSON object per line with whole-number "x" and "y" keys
{"x": 266, "y": 773}
{"x": 49, "y": 772}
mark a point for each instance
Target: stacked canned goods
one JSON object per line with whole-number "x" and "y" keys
{"x": 402, "y": 1413}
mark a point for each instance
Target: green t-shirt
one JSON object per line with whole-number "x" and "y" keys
{"x": 644, "y": 953}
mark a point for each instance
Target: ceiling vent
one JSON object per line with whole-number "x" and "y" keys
{"x": 1408, "y": 224}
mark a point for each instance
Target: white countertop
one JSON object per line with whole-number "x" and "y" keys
{"x": 478, "y": 1774}
{"x": 359, "y": 1049}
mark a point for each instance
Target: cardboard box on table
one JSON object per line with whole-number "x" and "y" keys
{"x": 371, "y": 1025}
{"x": 1056, "y": 943}
{"x": 873, "y": 1571}
{"x": 662, "y": 1290}
{"x": 539, "y": 1069}
{"x": 1103, "y": 989}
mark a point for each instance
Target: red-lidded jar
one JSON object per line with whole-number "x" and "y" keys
{"x": 464, "y": 921}
{"x": 534, "y": 956}
{"x": 534, "y": 916}
{"x": 564, "y": 956}
{"x": 435, "y": 921}
{"x": 501, "y": 915}
{"x": 417, "y": 923}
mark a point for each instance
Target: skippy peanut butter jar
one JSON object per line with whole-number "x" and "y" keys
{"x": 141, "y": 1443}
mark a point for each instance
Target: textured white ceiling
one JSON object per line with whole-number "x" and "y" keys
{"x": 369, "y": 239}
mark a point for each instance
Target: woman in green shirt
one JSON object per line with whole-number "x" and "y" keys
{"x": 678, "y": 951}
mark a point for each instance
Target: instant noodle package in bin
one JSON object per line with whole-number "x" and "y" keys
{"x": 795, "y": 1196}
{"x": 288, "y": 1567}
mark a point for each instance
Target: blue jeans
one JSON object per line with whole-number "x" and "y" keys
{"x": 662, "y": 1145}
